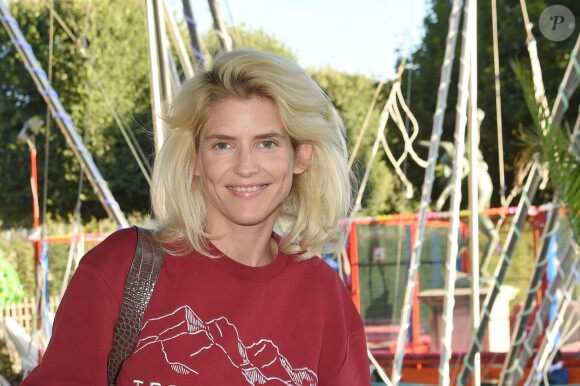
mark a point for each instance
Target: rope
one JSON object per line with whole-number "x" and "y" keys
{"x": 383, "y": 118}
{"x": 365, "y": 123}
{"x": 390, "y": 110}
{"x": 403, "y": 129}
{"x": 402, "y": 176}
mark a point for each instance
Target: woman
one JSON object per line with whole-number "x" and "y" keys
{"x": 247, "y": 192}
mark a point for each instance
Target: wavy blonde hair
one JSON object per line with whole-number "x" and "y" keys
{"x": 319, "y": 197}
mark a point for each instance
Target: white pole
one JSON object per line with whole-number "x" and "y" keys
{"x": 472, "y": 153}
{"x": 452, "y": 243}
{"x": 427, "y": 188}
{"x": 154, "y": 75}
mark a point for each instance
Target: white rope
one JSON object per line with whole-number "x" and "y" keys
{"x": 383, "y": 119}
{"x": 365, "y": 123}
{"x": 408, "y": 185}
{"x": 403, "y": 129}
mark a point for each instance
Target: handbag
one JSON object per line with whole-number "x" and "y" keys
{"x": 139, "y": 286}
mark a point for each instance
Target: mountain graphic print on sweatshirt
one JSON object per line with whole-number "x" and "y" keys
{"x": 187, "y": 343}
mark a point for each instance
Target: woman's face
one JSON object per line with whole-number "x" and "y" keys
{"x": 246, "y": 164}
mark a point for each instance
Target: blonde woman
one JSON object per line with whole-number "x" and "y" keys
{"x": 247, "y": 193}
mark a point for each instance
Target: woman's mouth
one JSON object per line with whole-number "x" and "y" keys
{"x": 247, "y": 189}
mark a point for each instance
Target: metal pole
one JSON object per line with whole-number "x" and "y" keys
{"x": 502, "y": 187}
{"x": 473, "y": 202}
{"x": 452, "y": 245}
{"x": 429, "y": 178}
{"x": 178, "y": 42}
{"x": 220, "y": 27}
{"x": 551, "y": 332}
{"x": 539, "y": 91}
{"x": 513, "y": 370}
{"x": 168, "y": 81}
{"x": 568, "y": 85}
{"x": 192, "y": 28}
{"x": 566, "y": 265}
{"x": 513, "y": 236}
{"x": 61, "y": 117}
{"x": 507, "y": 374}
{"x": 156, "y": 58}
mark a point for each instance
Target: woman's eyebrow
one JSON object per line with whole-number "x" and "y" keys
{"x": 269, "y": 135}
{"x": 225, "y": 137}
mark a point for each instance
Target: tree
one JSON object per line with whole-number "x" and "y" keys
{"x": 107, "y": 52}
{"x": 428, "y": 58}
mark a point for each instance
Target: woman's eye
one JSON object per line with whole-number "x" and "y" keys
{"x": 221, "y": 146}
{"x": 268, "y": 144}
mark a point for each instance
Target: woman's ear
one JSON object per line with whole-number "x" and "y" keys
{"x": 303, "y": 157}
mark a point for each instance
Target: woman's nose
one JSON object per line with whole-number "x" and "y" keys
{"x": 246, "y": 163}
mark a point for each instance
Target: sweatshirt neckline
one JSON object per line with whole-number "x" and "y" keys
{"x": 246, "y": 272}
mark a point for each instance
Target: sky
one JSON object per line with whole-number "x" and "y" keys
{"x": 357, "y": 37}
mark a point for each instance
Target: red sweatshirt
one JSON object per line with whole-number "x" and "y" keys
{"x": 209, "y": 322}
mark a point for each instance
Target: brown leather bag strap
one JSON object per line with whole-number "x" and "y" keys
{"x": 141, "y": 280}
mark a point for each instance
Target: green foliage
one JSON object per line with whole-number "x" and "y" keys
{"x": 11, "y": 289}
{"x": 108, "y": 52}
{"x": 18, "y": 252}
{"x": 6, "y": 364}
{"x": 556, "y": 150}
{"x": 428, "y": 58}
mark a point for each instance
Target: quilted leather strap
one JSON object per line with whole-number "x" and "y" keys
{"x": 141, "y": 280}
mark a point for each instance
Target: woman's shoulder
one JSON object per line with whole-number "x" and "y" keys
{"x": 317, "y": 270}
{"x": 116, "y": 250}
{"x": 322, "y": 282}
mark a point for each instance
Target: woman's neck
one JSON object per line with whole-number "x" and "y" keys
{"x": 252, "y": 248}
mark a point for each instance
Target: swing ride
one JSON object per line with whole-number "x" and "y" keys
{"x": 433, "y": 312}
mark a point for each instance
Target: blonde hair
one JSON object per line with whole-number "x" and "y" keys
{"x": 319, "y": 197}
